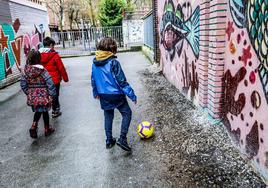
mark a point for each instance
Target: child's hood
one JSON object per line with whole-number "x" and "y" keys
{"x": 47, "y": 54}
{"x": 102, "y": 57}
{"x": 33, "y": 71}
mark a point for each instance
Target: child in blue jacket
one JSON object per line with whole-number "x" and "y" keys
{"x": 111, "y": 88}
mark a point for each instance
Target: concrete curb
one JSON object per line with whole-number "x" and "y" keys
{"x": 9, "y": 92}
{"x": 72, "y": 56}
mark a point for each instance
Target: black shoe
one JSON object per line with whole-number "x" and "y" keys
{"x": 123, "y": 144}
{"x": 33, "y": 133}
{"x": 49, "y": 130}
{"x": 110, "y": 143}
{"x": 56, "y": 113}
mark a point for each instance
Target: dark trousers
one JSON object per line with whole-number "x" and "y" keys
{"x": 56, "y": 102}
{"x": 37, "y": 116}
{"x": 126, "y": 113}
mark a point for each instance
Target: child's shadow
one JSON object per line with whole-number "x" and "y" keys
{"x": 45, "y": 144}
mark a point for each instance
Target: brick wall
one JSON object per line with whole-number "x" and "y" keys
{"x": 215, "y": 53}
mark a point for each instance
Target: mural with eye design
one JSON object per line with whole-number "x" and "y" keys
{"x": 175, "y": 28}
{"x": 179, "y": 33}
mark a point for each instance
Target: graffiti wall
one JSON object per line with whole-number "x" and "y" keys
{"x": 18, "y": 35}
{"x": 180, "y": 44}
{"x": 215, "y": 52}
{"x": 246, "y": 78}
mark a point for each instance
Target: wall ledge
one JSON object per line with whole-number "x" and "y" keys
{"x": 29, "y": 4}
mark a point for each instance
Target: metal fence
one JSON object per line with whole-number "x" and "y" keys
{"x": 84, "y": 42}
{"x": 148, "y": 31}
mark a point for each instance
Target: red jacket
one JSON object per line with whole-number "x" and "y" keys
{"x": 53, "y": 64}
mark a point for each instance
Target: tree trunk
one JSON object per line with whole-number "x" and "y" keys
{"x": 92, "y": 13}
{"x": 71, "y": 19}
{"x": 61, "y": 25}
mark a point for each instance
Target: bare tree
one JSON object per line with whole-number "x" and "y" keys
{"x": 141, "y": 3}
{"x": 58, "y": 7}
{"x": 73, "y": 12}
{"x": 93, "y": 9}
{"x": 77, "y": 18}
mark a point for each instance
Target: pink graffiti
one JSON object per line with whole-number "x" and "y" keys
{"x": 230, "y": 29}
{"x": 31, "y": 41}
{"x": 246, "y": 55}
{"x": 252, "y": 77}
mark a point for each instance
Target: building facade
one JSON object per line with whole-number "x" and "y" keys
{"x": 23, "y": 25}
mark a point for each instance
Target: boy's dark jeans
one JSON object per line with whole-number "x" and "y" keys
{"x": 126, "y": 113}
{"x": 55, "y": 101}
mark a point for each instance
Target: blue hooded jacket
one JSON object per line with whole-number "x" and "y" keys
{"x": 109, "y": 82}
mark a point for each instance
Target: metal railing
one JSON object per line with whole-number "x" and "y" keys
{"x": 84, "y": 42}
{"x": 97, "y": 33}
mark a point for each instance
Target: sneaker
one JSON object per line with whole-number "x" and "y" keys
{"x": 56, "y": 113}
{"x": 111, "y": 143}
{"x": 123, "y": 144}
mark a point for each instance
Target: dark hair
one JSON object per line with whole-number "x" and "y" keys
{"x": 33, "y": 57}
{"x": 107, "y": 44}
{"x": 48, "y": 41}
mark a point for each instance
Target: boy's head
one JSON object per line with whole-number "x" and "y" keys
{"x": 107, "y": 44}
{"x": 34, "y": 57}
{"x": 49, "y": 42}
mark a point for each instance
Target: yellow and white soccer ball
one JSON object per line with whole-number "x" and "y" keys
{"x": 145, "y": 129}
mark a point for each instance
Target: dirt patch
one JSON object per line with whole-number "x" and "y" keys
{"x": 192, "y": 153}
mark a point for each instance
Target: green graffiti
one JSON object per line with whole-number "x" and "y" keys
{"x": 10, "y": 47}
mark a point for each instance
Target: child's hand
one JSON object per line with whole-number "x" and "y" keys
{"x": 97, "y": 97}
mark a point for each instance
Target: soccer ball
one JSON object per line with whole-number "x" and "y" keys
{"x": 145, "y": 129}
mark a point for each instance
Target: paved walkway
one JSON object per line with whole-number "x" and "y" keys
{"x": 75, "y": 156}
{"x": 186, "y": 151}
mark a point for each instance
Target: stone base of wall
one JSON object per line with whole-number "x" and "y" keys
{"x": 9, "y": 81}
{"x": 149, "y": 53}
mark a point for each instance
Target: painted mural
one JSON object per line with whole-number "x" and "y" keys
{"x": 215, "y": 52}
{"x": 14, "y": 47}
{"x": 246, "y": 79}
{"x": 179, "y": 44}
{"x": 10, "y": 48}
{"x": 175, "y": 29}
{"x": 33, "y": 40}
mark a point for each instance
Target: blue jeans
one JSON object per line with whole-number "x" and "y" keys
{"x": 126, "y": 113}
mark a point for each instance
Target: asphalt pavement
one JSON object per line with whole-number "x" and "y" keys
{"x": 75, "y": 156}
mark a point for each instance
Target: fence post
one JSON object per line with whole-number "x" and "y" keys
{"x": 73, "y": 38}
{"x": 69, "y": 37}
{"x": 89, "y": 37}
{"x": 62, "y": 39}
{"x": 83, "y": 34}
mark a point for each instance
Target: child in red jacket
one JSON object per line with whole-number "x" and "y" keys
{"x": 52, "y": 62}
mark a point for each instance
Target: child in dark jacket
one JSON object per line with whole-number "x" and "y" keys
{"x": 37, "y": 84}
{"x": 111, "y": 88}
{"x": 51, "y": 60}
